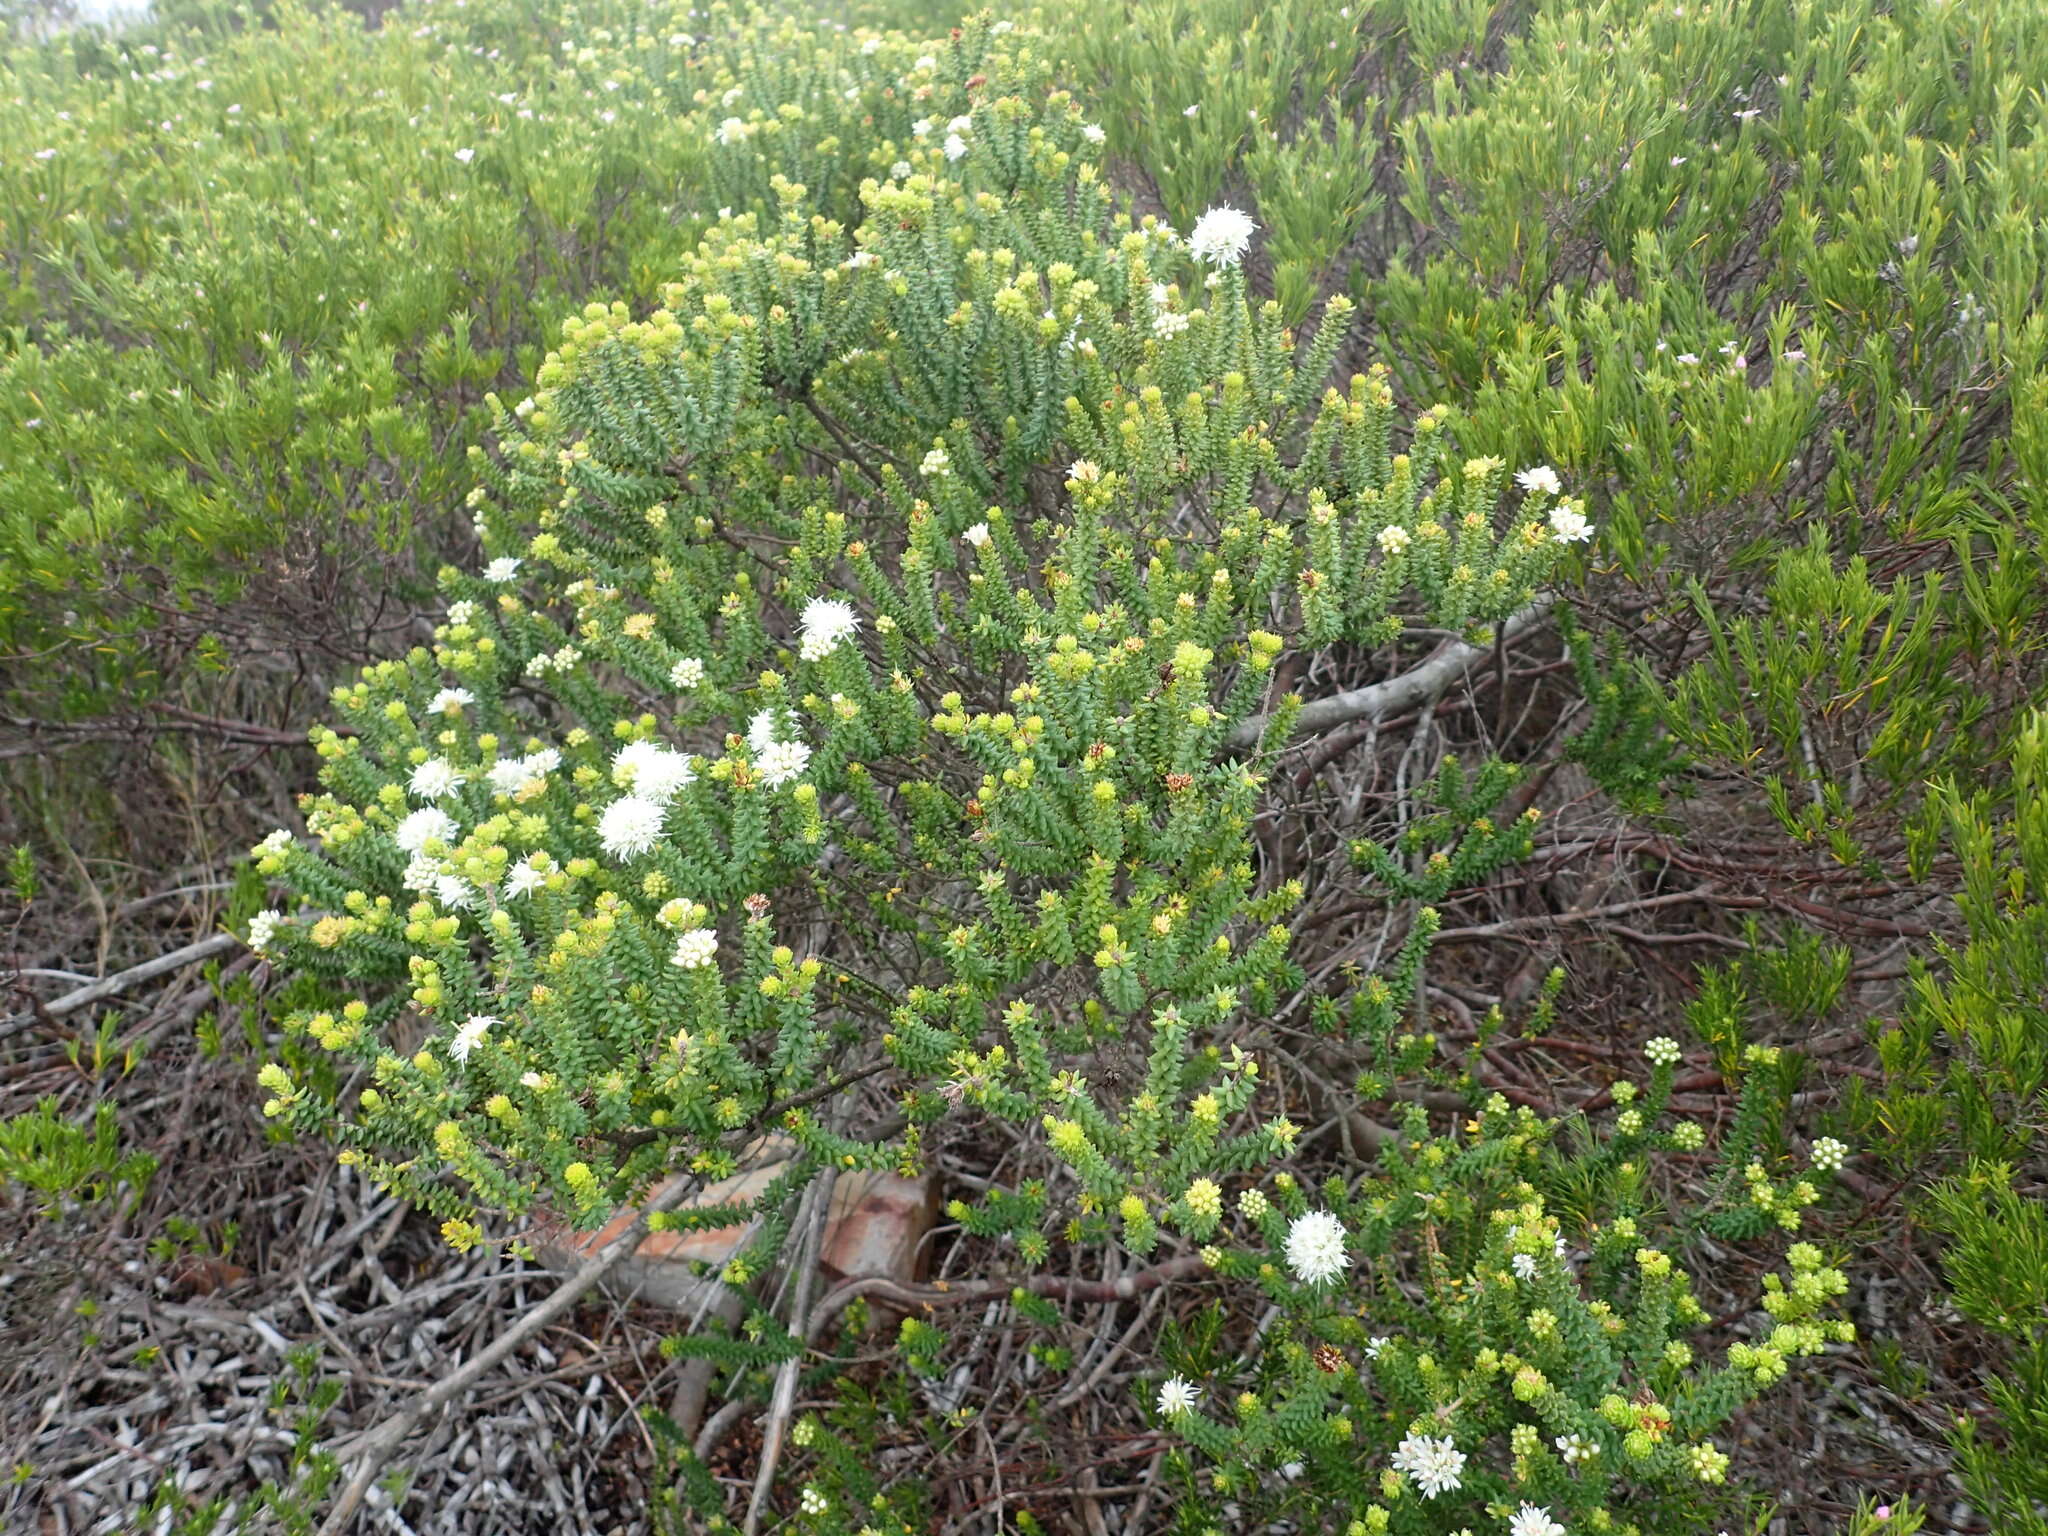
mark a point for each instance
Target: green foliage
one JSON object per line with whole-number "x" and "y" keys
{"x": 255, "y": 282}
{"x": 1966, "y": 1082}
{"x": 58, "y": 1162}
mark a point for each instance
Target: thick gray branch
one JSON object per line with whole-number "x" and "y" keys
{"x": 1424, "y": 681}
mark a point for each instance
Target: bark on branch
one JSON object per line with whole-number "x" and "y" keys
{"x": 1423, "y": 681}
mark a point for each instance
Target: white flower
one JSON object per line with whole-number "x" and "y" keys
{"x": 450, "y": 698}
{"x": 462, "y": 612}
{"x": 423, "y": 826}
{"x": 826, "y": 621}
{"x": 1177, "y": 1396}
{"x": 434, "y": 779}
{"x": 872, "y": 45}
{"x": 465, "y": 155}
{"x": 1663, "y": 1051}
{"x": 1093, "y": 133}
{"x": 532, "y": 1080}
{"x": 937, "y": 462}
{"x": 1568, "y": 525}
{"x": 1678, "y": 159}
{"x": 511, "y": 775}
{"x": 781, "y": 762}
{"x": 504, "y": 568}
{"x": 977, "y": 534}
{"x": 1315, "y": 1247}
{"x": 1828, "y": 1153}
{"x": 455, "y": 892}
{"x": 1689, "y": 358}
{"x": 1168, "y": 322}
{"x": 630, "y": 827}
{"x": 697, "y": 947}
{"x": 1221, "y": 236}
{"x": 1524, "y": 1265}
{"x": 687, "y": 673}
{"x": 814, "y": 1502}
{"x": 900, "y": 169}
{"x": 1394, "y": 538}
{"x": 1436, "y": 1465}
{"x": 470, "y": 1036}
{"x": 1575, "y": 1449}
{"x": 263, "y": 929}
{"x": 1542, "y": 478}
{"x": 1191, "y": 109}
{"x": 955, "y": 146}
{"x": 1087, "y": 471}
{"x": 1375, "y": 1344}
{"x": 961, "y": 124}
{"x": 276, "y": 844}
{"x": 921, "y": 128}
{"x": 762, "y": 732}
{"x": 731, "y": 131}
{"x": 522, "y": 880}
{"x": 861, "y": 259}
{"x": 652, "y": 771}
{"x": 1530, "y": 1520}
{"x": 925, "y": 61}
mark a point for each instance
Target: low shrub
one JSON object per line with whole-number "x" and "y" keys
{"x": 871, "y": 678}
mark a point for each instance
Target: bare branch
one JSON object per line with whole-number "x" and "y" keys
{"x": 1390, "y": 697}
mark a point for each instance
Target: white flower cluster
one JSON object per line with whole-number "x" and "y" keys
{"x": 1575, "y": 1448}
{"x": 827, "y": 621}
{"x": 1315, "y": 1247}
{"x": 652, "y": 775}
{"x": 435, "y": 779}
{"x": 1828, "y": 1153}
{"x": 697, "y": 947}
{"x": 650, "y": 771}
{"x": 513, "y": 776}
{"x": 1437, "y": 1465}
{"x": 426, "y": 825}
{"x": 263, "y": 929}
{"x": 1662, "y": 1051}
{"x": 1532, "y": 1520}
{"x": 1221, "y": 236}
{"x": 777, "y": 761}
{"x": 1542, "y": 480}
{"x": 1569, "y": 523}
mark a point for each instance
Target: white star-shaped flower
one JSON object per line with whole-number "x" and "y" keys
{"x": 470, "y": 1036}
